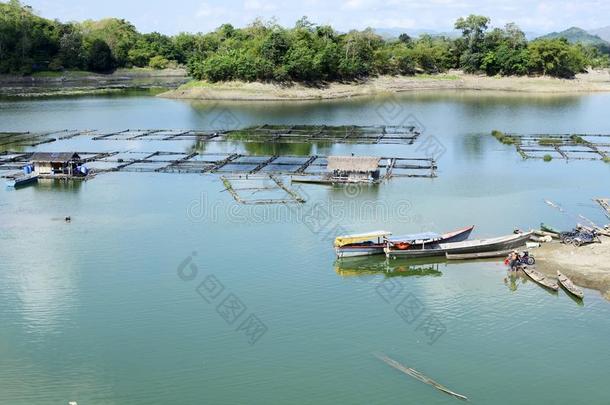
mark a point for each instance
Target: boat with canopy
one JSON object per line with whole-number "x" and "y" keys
{"x": 361, "y": 244}
{"x": 470, "y": 246}
{"x": 372, "y": 243}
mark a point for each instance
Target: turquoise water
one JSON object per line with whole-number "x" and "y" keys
{"x": 95, "y": 310}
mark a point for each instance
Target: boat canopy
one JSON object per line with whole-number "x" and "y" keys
{"x": 359, "y": 237}
{"x": 424, "y": 236}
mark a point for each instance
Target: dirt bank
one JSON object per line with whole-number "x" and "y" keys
{"x": 66, "y": 83}
{"x": 595, "y": 81}
{"x": 588, "y": 266}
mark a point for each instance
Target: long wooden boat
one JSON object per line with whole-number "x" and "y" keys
{"x": 474, "y": 256}
{"x": 373, "y": 243}
{"x": 570, "y": 287}
{"x": 471, "y": 246}
{"x": 548, "y": 228}
{"x": 23, "y": 180}
{"x": 540, "y": 278}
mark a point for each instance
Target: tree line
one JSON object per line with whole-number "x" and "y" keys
{"x": 266, "y": 51}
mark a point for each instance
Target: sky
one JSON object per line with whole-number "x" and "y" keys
{"x": 171, "y": 17}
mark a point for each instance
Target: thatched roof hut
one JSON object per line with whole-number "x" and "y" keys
{"x": 55, "y": 163}
{"x": 55, "y": 157}
{"x": 354, "y": 164}
{"x": 353, "y": 168}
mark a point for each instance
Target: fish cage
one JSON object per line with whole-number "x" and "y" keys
{"x": 260, "y": 189}
{"x": 370, "y": 134}
{"x": 226, "y": 163}
{"x": 563, "y": 146}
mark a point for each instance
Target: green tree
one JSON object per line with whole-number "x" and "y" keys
{"x": 71, "y": 53}
{"x": 99, "y": 57}
{"x": 473, "y": 30}
{"x": 505, "y": 52}
{"x": 556, "y": 57}
{"x": 118, "y": 34}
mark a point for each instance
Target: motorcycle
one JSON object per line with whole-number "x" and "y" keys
{"x": 523, "y": 259}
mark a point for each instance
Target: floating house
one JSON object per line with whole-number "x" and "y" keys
{"x": 61, "y": 164}
{"x": 353, "y": 169}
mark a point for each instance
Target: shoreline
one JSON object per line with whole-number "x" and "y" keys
{"x": 83, "y": 83}
{"x": 587, "y": 265}
{"x": 592, "y": 82}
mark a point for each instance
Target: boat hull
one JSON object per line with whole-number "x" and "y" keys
{"x": 475, "y": 246}
{"x": 21, "y": 181}
{"x": 549, "y": 229}
{"x": 474, "y": 256}
{"x": 357, "y": 251}
{"x": 569, "y": 286}
{"x": 540, "y": 279}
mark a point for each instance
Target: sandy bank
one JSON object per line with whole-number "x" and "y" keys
{"x": 588, "y": 266}
{"x": 595, "y": 81}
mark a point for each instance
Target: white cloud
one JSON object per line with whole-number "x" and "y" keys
{"x": 391, "y": 23}
{"x": 207, "y": 10}
{"x": 258, "y": 6}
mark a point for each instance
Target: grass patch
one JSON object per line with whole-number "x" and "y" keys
{"x": 606, "y": 159}
{"x": 547, "y": 158}
{"x": 202, "y": 84}
{"x": 577, "y": 139}
{"x": 428, "y": 76}
{"x": 549, "y": 142}
{"x": 502, "y": 137}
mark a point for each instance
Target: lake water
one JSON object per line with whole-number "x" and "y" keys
{"x": 129, "y": 302}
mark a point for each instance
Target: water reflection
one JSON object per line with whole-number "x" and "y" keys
{"x": 365, "y": 266}
{"x": 45, "y": 185}
{"x": 514, "y": 279}
{"x": 362, "y": 195}
{"x": 264, "y": 148}
{"x": 276, "y": 148}
{"x": 471, "y": 99}
{"x": 13, "y": 147}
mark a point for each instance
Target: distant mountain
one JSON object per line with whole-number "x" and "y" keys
{"x": 394, "y": 32}
{"x": 603, "y": 33}
{"x": 577, "y": 35}
{"x": 530, "y": 35}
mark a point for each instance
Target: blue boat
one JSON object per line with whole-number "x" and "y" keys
{"x": 23, "y": 180}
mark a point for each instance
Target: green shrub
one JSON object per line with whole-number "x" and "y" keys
{"x": 502, "y": 137}
{"x": 158, "y": 62}
{"x": 577, "y": 139}
{"x": 547, "y": 158}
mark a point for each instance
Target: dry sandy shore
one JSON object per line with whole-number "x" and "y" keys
{"x": 588, "y": 266}
{"x": 595, "y": 81}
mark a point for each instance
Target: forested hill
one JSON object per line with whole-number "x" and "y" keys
{"x": 265, "y": 51}
{"x": 577, "y": 35}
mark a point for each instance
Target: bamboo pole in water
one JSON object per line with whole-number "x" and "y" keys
{"x": 418, "y": 376}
